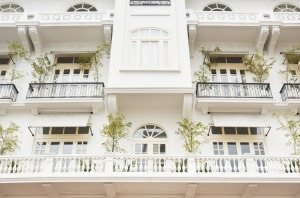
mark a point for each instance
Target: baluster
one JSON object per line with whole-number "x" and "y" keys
{"x": 72, "y": 164}
{"x": 146, "y": 164}
{"x": 31, "y": 163}
{"x": 184, "y": 165}
{"x": 235, "y": 165}
{"x": 227, "y": 165}
{"x": 241, "y": 165}
{"x": 58, "y": 165}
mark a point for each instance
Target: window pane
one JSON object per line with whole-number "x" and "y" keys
{"x": 232, "y": 150}
{"x": 43, "y": 130}
{"x": 242, "y": 130}
{"x": 54, "y": 148}
{"x": 162, "y": 149}
{"x": 133, "y": 53}
{"x": 229, "y": 130}
{"x": 145, "y": 52}
{"x": 155, "y": 33}
{"x": 70, "y": 130}
{"x": 154, "y": 55}
{"x": 245, "y": 148}
{"x": 255, "y": 131}
{"x": 216, "y": 130}
{"x": 138, "y": 148}
{"x": 83, "y": 130}
{"x": 155, "y": 148}
{"x": 166, "y": 54}
{"x": 65, "y": 60}
{"x": 4, "y": 61}
{"x": 144, "y": 33}
{"x": 234, "y": 60}
{"x": 144, "y": 148}
{"x": 67, "y": 147}
{"x": 57, "y": 130}
{"x": 218, "y": 59}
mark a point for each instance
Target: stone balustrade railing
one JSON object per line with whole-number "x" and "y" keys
{"x": 57, "y": 18}
{"x": 110, "y": 165}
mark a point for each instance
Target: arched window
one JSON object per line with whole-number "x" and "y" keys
{"x": 11, "y": 7}
{"x": 150, "y": 139}
{"x": 286, "y": 8}
{"x": 83, "y": 7}
{"x": 149, "y": 49}
{"x": 217, "y": 7}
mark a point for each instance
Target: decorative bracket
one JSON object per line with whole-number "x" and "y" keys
{"x": 273, "y": 40}
{"x": 35, "y": 37}
{"x": 192, "y": 38}
{"x": 261, "y": 39}
{"x": 187, "y": 105}
{"x": 107, "y": 33}
{"x": 22, "y": 32}
{"x": 191, "y": 190}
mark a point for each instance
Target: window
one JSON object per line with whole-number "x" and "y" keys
{"x": 149, "y": 49}
{"x": 226, "y": 59}
{"x": 150, "y": 139}
{"x": 217, "y": 7}
{"x": 4, "y": 60}
{"x": 83, "y": 7}
{"x": 61, "y": 140}
{"x": 11, "y": 7}
{"x": 286, "y": 8}
{"x": 2, "y": 76}
{"x": 65, "y": 75}
{"x": 150, "y": 2}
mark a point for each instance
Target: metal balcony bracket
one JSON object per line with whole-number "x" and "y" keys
{"x": 191, "y": 190}
{"x": 90, "y": 128}
{"x": 269, "y": 129}
{"x": 110, "y": 190}
{"x": 29, "y": 128}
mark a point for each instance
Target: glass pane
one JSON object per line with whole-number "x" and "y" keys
{"x": 144, "y": 33}
{"x": 162, "y": 149}
{"x": 245, "y": 148}
{"x": 57, "y": 130}
{"x": 133, "y": 53}
{"x": 232, "y": 150}
{"x": 255, "y": 131}
{"x": 155, "y": 148}
{"x": 216, "y": 130}
{"x": 155, "y": 33}
{"x": 144, "y": 148}
{"x": 76, "y": 75}
{"x": 154, "y": 55}
{"x": 229, "y": 130}
{"x": 70, "y": 130}
{"x": 138, "y": 148}
{"x": 43, "y": 130}
{"x": 224, "y": 77}
{"x": 234, "y": 60}
{"x": 134, "y": 34}
{"x": 65, "y": 60}
{"x": 165, "y": 34}
{"x": 218, "y": 59}
{"x": 242, "y": 130}
{"x": 54, "y": 147}
{"x": 83, "y": 130}
{"x": 67, "y": 147}
{"x": 161, "y": 135}
{"x": 166, "y": 54}
{"x": 145, "y": 54}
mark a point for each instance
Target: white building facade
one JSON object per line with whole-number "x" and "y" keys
{"x": 149, "y": 77}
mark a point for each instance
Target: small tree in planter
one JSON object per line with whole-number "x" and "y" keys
{"x": 203, "y": 73}
{"x": 42, "y": 68}
{"x": 8, "y": 138}
{"x": 291, "y": 125}
{"x": 290, "y": 57}
{"x": 259, "y": 67}
{"x": 18, "y": 52}
{"x": 114, "y": 131}
{"x": 93, "y": 61}
{"x": 194, "y": 135}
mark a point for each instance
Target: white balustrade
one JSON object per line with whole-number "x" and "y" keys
{"x": 72, "y": 17}
{"x": 111, "y": 164}
{"x": 287, "y": 17}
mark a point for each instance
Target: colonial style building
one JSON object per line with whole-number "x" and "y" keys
{"x": 148, "y": 75}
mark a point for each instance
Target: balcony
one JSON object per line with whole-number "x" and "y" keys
{"x": 8, "y": 91}
{"x": 139, "y": 167}
{"x": 290, "y": 91}
{"x": 233, "y": 97}
{"x": 66, "y": 96}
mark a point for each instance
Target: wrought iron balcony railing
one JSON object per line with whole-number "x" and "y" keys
{"x": 150, "y": 2}
{"x": 110, "y": 165}
{"x": 290, "y": 91}
{"x": 233, "y": 90}
{"x": 65, "y": 90}
{"x": 8, "y": 91}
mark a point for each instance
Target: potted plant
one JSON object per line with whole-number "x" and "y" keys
{"x": 194, "y": 134}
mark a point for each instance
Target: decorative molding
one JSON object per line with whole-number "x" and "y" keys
{"x": 192, "y": 38}
{"x": 191, "y": 190}
{"x": 262, "y": 38}
{"x": 22, "y": 32}
{"x": 107, "y": 33}
{"x": 110, "y": 191}
{"x": 249, "y": 191}
{"x": 35, "y": 37}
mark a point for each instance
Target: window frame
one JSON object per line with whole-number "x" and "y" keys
{"x": 82, "y": 8}
{"x": 217, "y": 8}
{"x": 286, "y": 8}
{"x": 12, "y": 9}
{"x": 134, "y": 58}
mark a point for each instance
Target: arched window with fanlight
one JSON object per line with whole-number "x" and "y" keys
{"x": 217, "y": 7}
{"x": 10, "y": 8}
{"x": 82, "y": 7}
{"x": 150, "y": 139}
{"x": 286, "y": 7}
